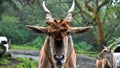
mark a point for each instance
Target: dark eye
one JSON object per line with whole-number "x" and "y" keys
{"x": 68, "y": 33}
{"x": 4, "y": 42}
{"x": 48, "y": 33}
{"x": 63, "y": 30}
{"x": 105, "y": 51}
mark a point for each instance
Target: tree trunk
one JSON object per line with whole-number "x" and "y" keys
{"x": 100, "y": 32}
{"x": 96, "y": 18}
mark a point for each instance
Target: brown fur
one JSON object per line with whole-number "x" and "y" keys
{"x": 65, "y": 47}
{"x": 57, "y": 30}
{"x": 106, "y": 59}
{"x": 46, "y": 61}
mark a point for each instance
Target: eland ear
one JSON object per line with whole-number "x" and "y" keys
{"x": 79, "y": 30}
{"x": 37, "y": 29}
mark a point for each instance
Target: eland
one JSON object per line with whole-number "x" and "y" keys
{"x": 58, "y": 50}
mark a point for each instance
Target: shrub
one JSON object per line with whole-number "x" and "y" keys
{"x": 83, "y": 45}
{"x": 38, "y": 42}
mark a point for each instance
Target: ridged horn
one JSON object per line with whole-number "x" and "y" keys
{"x": 70, "y": 11}
{"x": 48, "y": 13}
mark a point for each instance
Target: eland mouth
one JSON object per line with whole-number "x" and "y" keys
{"x": 59, "y": 62}
{"x": 59, "y": 59}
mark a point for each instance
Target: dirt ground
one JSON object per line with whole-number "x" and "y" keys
{"x": 85, "y": 61}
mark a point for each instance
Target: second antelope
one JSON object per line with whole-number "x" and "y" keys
{"x": 106, "y": 58}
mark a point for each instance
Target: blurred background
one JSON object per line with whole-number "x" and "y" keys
{"x": 103, "y": 15}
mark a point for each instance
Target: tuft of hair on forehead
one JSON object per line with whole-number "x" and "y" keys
{"x": 58, "y": 22}
{"x": 55, "y": 21}
{"x": 61, "y": 20}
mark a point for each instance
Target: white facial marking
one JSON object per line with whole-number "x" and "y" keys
{"x": 65, "y": 41}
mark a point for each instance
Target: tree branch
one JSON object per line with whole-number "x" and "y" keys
{"x": 15, "y": 5}
{"x": 88, "y": 6}
{"x": 83, "y": 11}
{"x": 103, "y": 3}
{"x": 96, "y": 5}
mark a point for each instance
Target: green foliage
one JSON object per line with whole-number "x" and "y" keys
{"x": 21, "y": 63}
{"x": 26, "y": 63}
{"x": 13, "y": 32}
{"x": 86, "y": 49}
{"x": 23, "y": 47}
{"x": 38, "y": 42}
{"x": 83, "y": 45}
{"x": 14, "y": 15}
{"x": 4, "y": 60}
{"x": 9, "y": 19}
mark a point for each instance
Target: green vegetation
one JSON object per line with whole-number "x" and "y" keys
{"x": 23, "y": 47}
{"x": 93, "y": 54}
{"x": 27, "y": 63}
{"x": 86, "y": 49}
{"x": 4, "y": 60}
{"x": 17, "y": 63}
{"x": 14, "y": 15}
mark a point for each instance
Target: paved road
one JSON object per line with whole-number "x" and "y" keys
{"x": 82, "y": 60}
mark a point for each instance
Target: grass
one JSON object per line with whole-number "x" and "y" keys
{"x": 4, "y": 60}
{"x": 8, "y": 62}
{"x": 22, "y": 63}
{"x": 27, "y": 63}
{"x": 23, "y": 47}
{"x": 87, "y": 53}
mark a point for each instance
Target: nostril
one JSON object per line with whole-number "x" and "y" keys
{"x": 59, "y": 57}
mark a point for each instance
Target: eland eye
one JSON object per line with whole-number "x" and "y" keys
{"x": 68, "y": 33}
{"x": 63, "y": 30}
{"x": 48, "y": 33}
{"x": 105, "y": 51}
